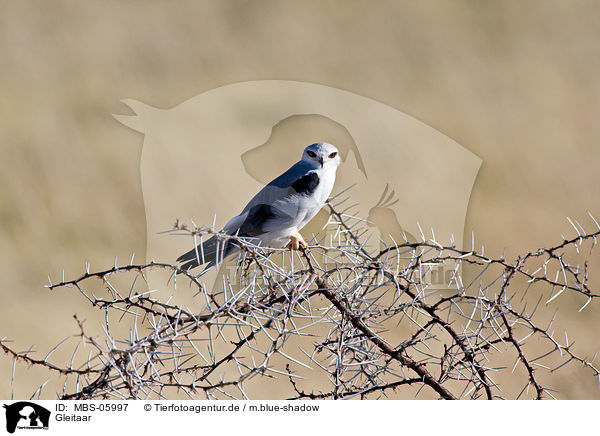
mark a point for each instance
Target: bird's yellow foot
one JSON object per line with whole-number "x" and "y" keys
{"x": 297, "y": 242}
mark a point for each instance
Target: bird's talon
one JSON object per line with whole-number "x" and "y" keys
{"x": 297, "y": 242}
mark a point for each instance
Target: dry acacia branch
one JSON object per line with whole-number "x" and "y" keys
{"x": 339, "y": 320}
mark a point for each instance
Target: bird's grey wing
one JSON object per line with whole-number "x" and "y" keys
{"x": 276, "y": 206}
{"x": 262, "y": 218}
{"x": 297, "y": 180}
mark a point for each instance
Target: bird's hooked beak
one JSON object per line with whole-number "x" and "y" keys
{"x": 321, "y": 158}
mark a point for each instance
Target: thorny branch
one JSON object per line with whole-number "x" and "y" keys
{"x": 344, "y": 318}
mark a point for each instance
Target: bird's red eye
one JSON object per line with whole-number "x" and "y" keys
{"x": 332, "y": 155}
{"x": 311, "y": 153}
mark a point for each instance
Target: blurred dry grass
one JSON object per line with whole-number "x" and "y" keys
{"x": 514, "y": 82}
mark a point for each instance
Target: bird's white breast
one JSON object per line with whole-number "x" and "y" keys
{"x": 311, "y": 204}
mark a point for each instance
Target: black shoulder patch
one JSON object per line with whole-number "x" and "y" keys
{"x": 306, "y": 184}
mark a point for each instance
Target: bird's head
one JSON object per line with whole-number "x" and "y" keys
{"x": 321, "y": 155}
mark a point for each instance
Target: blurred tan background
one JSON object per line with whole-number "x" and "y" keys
{"x": 516, "y": 83}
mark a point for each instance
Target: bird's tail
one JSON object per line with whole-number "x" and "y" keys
{"x": 210, "y": 252}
